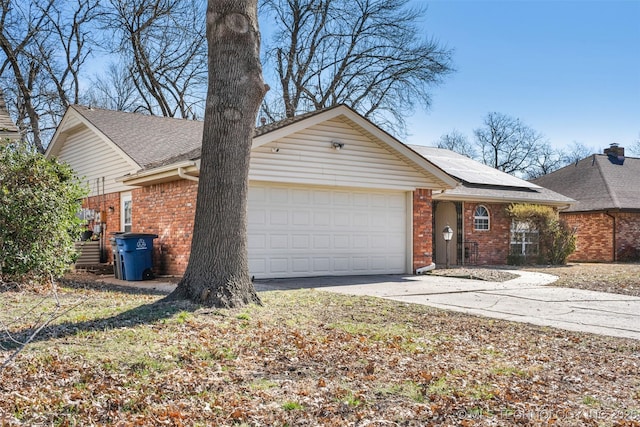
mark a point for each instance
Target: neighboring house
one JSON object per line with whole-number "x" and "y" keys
{"x": 329, "y": 192}
{"x": 8, "y": 129}
{"x": 606, "y": 215}
{"x": 476, "y": 210}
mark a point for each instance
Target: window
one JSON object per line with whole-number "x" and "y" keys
{"x": 524, "y": 239}
{"x": 481, "y": 218}
{"x": 126, "y": 217}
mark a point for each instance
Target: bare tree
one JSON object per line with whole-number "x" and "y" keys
{"x": 218, "y": 269}
{"x": 546, "y": 161}
{"x": 114, "y": 89}
{"x": 458, "y": 142}
{"x": 44, "y": 45}
{"x": 635, "y": 147}
{"x": 575, "y": 152}
{"x": 363, "y": 53}
{"x": 507, "y": 144}
{"x": 162, "y": 43}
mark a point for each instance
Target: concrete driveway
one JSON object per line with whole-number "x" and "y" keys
{"x": 530, "y": 299}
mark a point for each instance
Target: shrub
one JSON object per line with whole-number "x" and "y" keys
{"x": 556, "y": 239}
{"x": 39, "y": 200}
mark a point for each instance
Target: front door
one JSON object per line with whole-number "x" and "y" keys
{"x": 445, "y": 215}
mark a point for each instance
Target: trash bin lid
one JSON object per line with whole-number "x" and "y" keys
{"x": 131, "y": 235}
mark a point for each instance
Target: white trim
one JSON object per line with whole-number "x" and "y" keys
{"x": 125, "y": 196}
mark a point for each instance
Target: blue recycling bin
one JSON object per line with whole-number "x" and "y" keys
{"x": 136, "y": 255}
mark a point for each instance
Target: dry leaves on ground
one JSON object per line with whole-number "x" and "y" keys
{"x": 309, "y": 358}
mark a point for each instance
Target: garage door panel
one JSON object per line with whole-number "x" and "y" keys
{"x": 295, "y": 231}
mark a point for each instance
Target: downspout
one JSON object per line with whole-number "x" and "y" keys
{"x": 423, "y": 270}
{"x": 615, "y": 252}
{"x": 183, "y": 175}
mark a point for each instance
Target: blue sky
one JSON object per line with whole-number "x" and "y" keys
{"x": 568, "y": 69}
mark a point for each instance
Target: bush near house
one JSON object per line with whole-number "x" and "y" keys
{"x": 556, "y": 239}
{"x": 39, "y": 200}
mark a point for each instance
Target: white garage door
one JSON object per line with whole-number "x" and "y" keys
{"x": 316, "y": 231}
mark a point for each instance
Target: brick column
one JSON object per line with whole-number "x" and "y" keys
{"x": 422, "y": 232}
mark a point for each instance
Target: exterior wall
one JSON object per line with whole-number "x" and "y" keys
{"x": 493, "y": 244}
{"x": 307, "y": 157}
{"x": 627, "y": 235}
{"x": 594, "y": 235}
{"x": 594, "y": 240}
{"x": 422, "y": 228}
{"x": 94, "y": 160}
{"x": 167, "y": 210}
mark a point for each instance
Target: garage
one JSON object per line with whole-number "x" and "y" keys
{"x": 297, "y": 231}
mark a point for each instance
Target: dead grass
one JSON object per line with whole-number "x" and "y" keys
{"x": 614, "y": 278}
{"x": 306, "y": 357}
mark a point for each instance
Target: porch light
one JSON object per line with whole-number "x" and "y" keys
{"x": 447, "y": 233}
{"x": 337, "y": 145}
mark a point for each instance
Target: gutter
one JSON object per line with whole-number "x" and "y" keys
{"x": 182, "y": 174}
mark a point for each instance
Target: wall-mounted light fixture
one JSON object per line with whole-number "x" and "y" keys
{"x": 111, "y": 209}
{"x": 275, "y": 149}
{"x": 337, "y": 145}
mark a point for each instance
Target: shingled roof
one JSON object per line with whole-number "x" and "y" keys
{"x": 598, "y": 183}
{"x": 482, "y": 182}
{"x": 8, "y": 129}
{"x": 153, "y": 141}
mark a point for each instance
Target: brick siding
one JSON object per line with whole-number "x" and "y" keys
{"x": 167, "y": 210}
{"x": 594, "y": 234}
{"x": 493, "y": 244}
{"x": 422, "y": 232}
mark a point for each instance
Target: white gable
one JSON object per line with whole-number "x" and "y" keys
{"x": 95, "y": 159}
{"x": 309, "y": 157}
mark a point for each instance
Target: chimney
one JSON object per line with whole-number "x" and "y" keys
{"x": 615, "y": 153}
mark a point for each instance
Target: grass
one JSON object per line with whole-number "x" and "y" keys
{"x": 303, "y": 358}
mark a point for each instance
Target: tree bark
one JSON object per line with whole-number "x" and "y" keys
{"x": 217, "y": 273}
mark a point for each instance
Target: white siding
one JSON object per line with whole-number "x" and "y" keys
{"x": 92, "y": 158}
{"x": 308, "y": 157}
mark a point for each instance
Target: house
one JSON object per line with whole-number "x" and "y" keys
{"x": 329, "y": 192}
{"x": 476, "y": 210}
{"x": 8, "y": 129}
{"x": 606, "y": 214}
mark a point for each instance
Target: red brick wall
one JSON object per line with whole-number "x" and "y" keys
{"x": 594, "y": 234}
{"x": 594, "y": 239}
{"x": 422, "y": 224}
{"x": 627, "y": 232}
{"x": 167, "y": 210}
{"x": 493, "y": 244}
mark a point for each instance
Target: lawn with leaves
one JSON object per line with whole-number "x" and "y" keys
{"x": 307, "y": 357}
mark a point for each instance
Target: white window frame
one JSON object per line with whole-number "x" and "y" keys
{"x": 524, "y": 239}
{"x": 480, "y": 219}
{"x": 126, "y": 204}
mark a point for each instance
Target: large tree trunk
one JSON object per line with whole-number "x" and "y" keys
{"x": 218, "y": 273}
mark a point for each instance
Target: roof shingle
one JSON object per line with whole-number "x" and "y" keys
{"x": 597, "y": 183}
